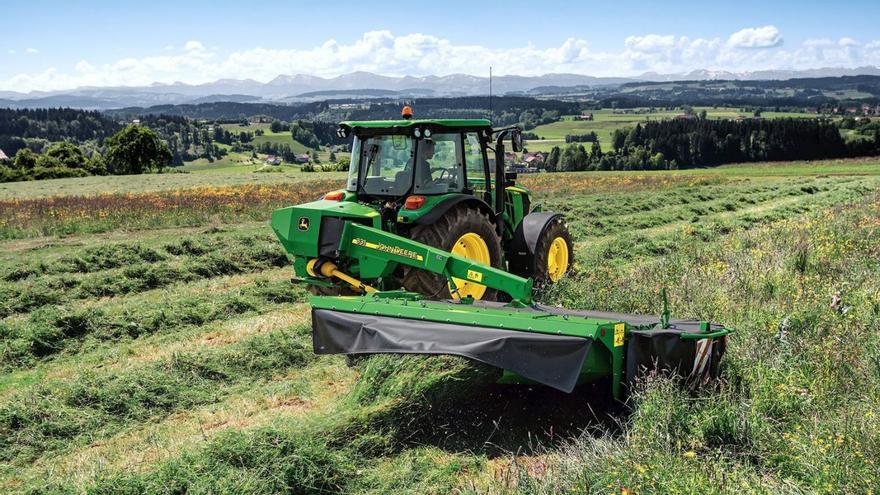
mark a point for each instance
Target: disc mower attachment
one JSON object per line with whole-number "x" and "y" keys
{"x": 533, "y": 344}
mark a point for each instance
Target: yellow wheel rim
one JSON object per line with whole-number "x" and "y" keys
{"x": 472, "y": 247}
{"x": 557, "y": 259}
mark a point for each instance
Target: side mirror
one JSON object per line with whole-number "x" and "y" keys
{"x": 516, "y": 141}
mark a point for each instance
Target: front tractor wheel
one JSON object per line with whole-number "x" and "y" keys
{"x": 554, "y": 254}
{"x": 464, "y": 231}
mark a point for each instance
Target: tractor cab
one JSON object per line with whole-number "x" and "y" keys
{"x": 427, "y": 160}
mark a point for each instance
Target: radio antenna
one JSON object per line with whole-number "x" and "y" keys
{"x": 490, "y": 92}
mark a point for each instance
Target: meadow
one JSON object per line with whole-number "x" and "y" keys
{"x": 606, "y": 120}
{"x": 152, "y": 342}
{"x": 243, "y": 162}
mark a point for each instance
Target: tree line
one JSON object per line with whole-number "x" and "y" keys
{"x": 133, "y": 150}
{"x": 685, "y": 143}
{"x": 36, "y": 128}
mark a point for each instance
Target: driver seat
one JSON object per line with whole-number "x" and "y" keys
{"x": 402, "y": 181}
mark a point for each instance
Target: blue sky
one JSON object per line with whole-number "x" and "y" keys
{"x": 56, "y": 45}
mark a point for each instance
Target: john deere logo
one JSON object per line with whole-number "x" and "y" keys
{"x": 303, "y": 223}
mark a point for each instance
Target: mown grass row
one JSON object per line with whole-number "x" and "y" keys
{"x": 72, "y": 328}
{"x": 127, "y": 269}
{"x": 666, "y": 235}
{"x": 63, "y": 414}
{"x": 603, "y": 215}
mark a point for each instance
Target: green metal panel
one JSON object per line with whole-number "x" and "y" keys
{"x": 376, "y": 249}
{"x": 298, "y": 227}
{"x": 515, "y": 206}
{"x": 507, "y": 317}
{"x": 410, "y": 216}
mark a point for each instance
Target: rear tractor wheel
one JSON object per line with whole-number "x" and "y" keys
{"x": 464, "y": 231}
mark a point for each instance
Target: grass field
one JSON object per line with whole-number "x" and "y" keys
{"x": 153, "y": 343}
{"x": 238, "y": 163}
{"x": 607, "y": 120}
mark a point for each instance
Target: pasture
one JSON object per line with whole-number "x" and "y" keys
{"x": 607, "y": 120}
{"x": 244, "y": 162}
{"x": 153, "y": 342}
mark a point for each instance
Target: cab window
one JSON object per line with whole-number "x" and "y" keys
{"x": 439, "y": 165}
{"x": 384, "y": 164}
{"x": 473, "y": 158}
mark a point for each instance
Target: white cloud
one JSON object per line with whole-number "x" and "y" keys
{"x": 761, "y": 37}
{"x": 844, "y": 52}
{"x": 10, "y": 51}
{"x": 31, "y": 50}
{"x": 194, "y": 46}
{"x": 649, "y": 42}
{"x": 420, "y": 54}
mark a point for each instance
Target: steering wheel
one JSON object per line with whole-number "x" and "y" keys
{"x": 442, "y": 170}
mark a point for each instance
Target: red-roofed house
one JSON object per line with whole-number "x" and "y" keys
{"x": 533, "y": 159}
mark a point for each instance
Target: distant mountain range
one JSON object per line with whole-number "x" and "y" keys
{"x": 304, "y": 88}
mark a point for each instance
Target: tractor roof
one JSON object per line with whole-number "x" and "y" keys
{"x": 388, "y": 124}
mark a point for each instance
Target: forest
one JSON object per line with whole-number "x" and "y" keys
{"x": 696, "y": 142}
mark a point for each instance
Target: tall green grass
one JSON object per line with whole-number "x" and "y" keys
{"x": 795, "y": 410}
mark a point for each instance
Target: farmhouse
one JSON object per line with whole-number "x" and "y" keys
{"x": 302, "y": 158}
{"x": 533, "y": 159}
{"x": 273, "y": 160}
{"x": 585, "y": 116}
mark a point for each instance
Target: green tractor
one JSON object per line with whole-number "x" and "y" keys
{"x": 433, "y": 181}
{"x": 432, "y": 248}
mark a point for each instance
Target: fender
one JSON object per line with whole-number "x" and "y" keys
{"x": 521, "y": 253}
{"x": 442, "y": 207}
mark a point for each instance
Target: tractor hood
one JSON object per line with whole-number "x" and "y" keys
{"x": 299, "y": 228}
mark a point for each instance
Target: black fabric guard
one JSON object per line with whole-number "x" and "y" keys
{"x": 553, "y": 360}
